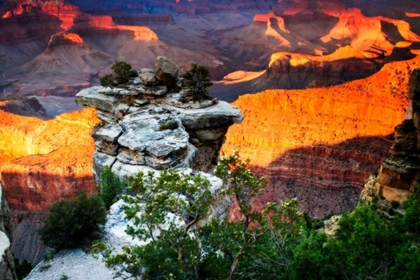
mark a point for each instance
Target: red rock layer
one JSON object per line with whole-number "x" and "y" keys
{"x": 324, "y": 140}
{"x": 42, "y": 161}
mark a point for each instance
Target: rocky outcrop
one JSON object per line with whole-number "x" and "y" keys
{"x": 145, "y": 129}
{"x": 399, "y": 174}
{"x": 149, "y": 122}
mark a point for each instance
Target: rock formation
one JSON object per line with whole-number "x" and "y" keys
{"x": 149, "y": 122}
{"x": 291, "y": 70}
{"x": 54, "y": 48}
{"x": 399, "y": 174}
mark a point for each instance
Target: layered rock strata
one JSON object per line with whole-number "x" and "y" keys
{"x": 399, "y": 174}
{"x": 320, "y": 145}
{"x": 148, "y": 122}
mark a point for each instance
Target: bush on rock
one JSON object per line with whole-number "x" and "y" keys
{"x": 74, "y": 222}
{"x": 122, "y": 74}
{"x": 198, "y": 81}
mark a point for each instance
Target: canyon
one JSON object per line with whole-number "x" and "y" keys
{"x": 58, "y": 48}
{"x": 328, "y": 92}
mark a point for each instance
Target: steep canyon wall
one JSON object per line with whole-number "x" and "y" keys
{"x": 320, "y": 145}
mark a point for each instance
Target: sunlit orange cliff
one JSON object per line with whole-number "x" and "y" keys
{"x": 42, "y": 161}
{"x": 320, "y": 145}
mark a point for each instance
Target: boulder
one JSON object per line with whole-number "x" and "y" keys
{"x": 166, "y": 71}
{"x": 149, "y": 79}
{"x": 220, "y": 115}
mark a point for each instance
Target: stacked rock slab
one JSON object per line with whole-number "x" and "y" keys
{"x": 149, "y": 122}
{"x": 400, "y": 173}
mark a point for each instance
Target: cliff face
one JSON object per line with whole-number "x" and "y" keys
{"x": 320, "y": 145}
{"x": 291, "y": 70}
{"x": 399, "y": 174}
{"x": 42, "y": 161}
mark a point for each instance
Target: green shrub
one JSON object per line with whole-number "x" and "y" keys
{"x": 110, "y": 186}
{"x": 44, "y": 267}
{"x": 73, "y": 223}
{"x": 22, "y": 268}
{"x": 198, "y": 81}
{"x": 121, "y": 75}
{"x": 107, "y": 80}
{"x": 168, "y": 124}
{"x": 97, "y": 247}
{"x": 122, "y": 72}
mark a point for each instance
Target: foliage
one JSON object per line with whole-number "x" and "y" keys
{"x": 277, "y": 243}
{"x": 365, "y": 247}
{"x": 215, "y": 250}
{"x": 44, "y": 267}
{"x": 22, "y": 268}
{"x": 107, "y": 80}
{"x": 172, "y": 249}
{"x": 168, "y": 124}
{"x": 72, "y": 223}
{"x": 122, "y": 73}
{"x": 198, "y": 81}
{"x": 97, "y": 247}
{"x": 110, "y": 186}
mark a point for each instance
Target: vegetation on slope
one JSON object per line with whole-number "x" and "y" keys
{"x": 170, "y": 213}
{"x": 74, "y": 222}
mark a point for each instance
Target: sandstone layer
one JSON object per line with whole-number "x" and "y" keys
{"x": 320, "y": 145}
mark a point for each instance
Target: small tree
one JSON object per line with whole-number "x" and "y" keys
{"x": 198, "y": 81}
{"x": 164, "y": 211}
{"x": 122, "y": 72}
{"x": 121, "y": 75}
{"x": 110, "y": 186}
{"x": 177, "y": 247}
{"x": 73, "y": 223}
